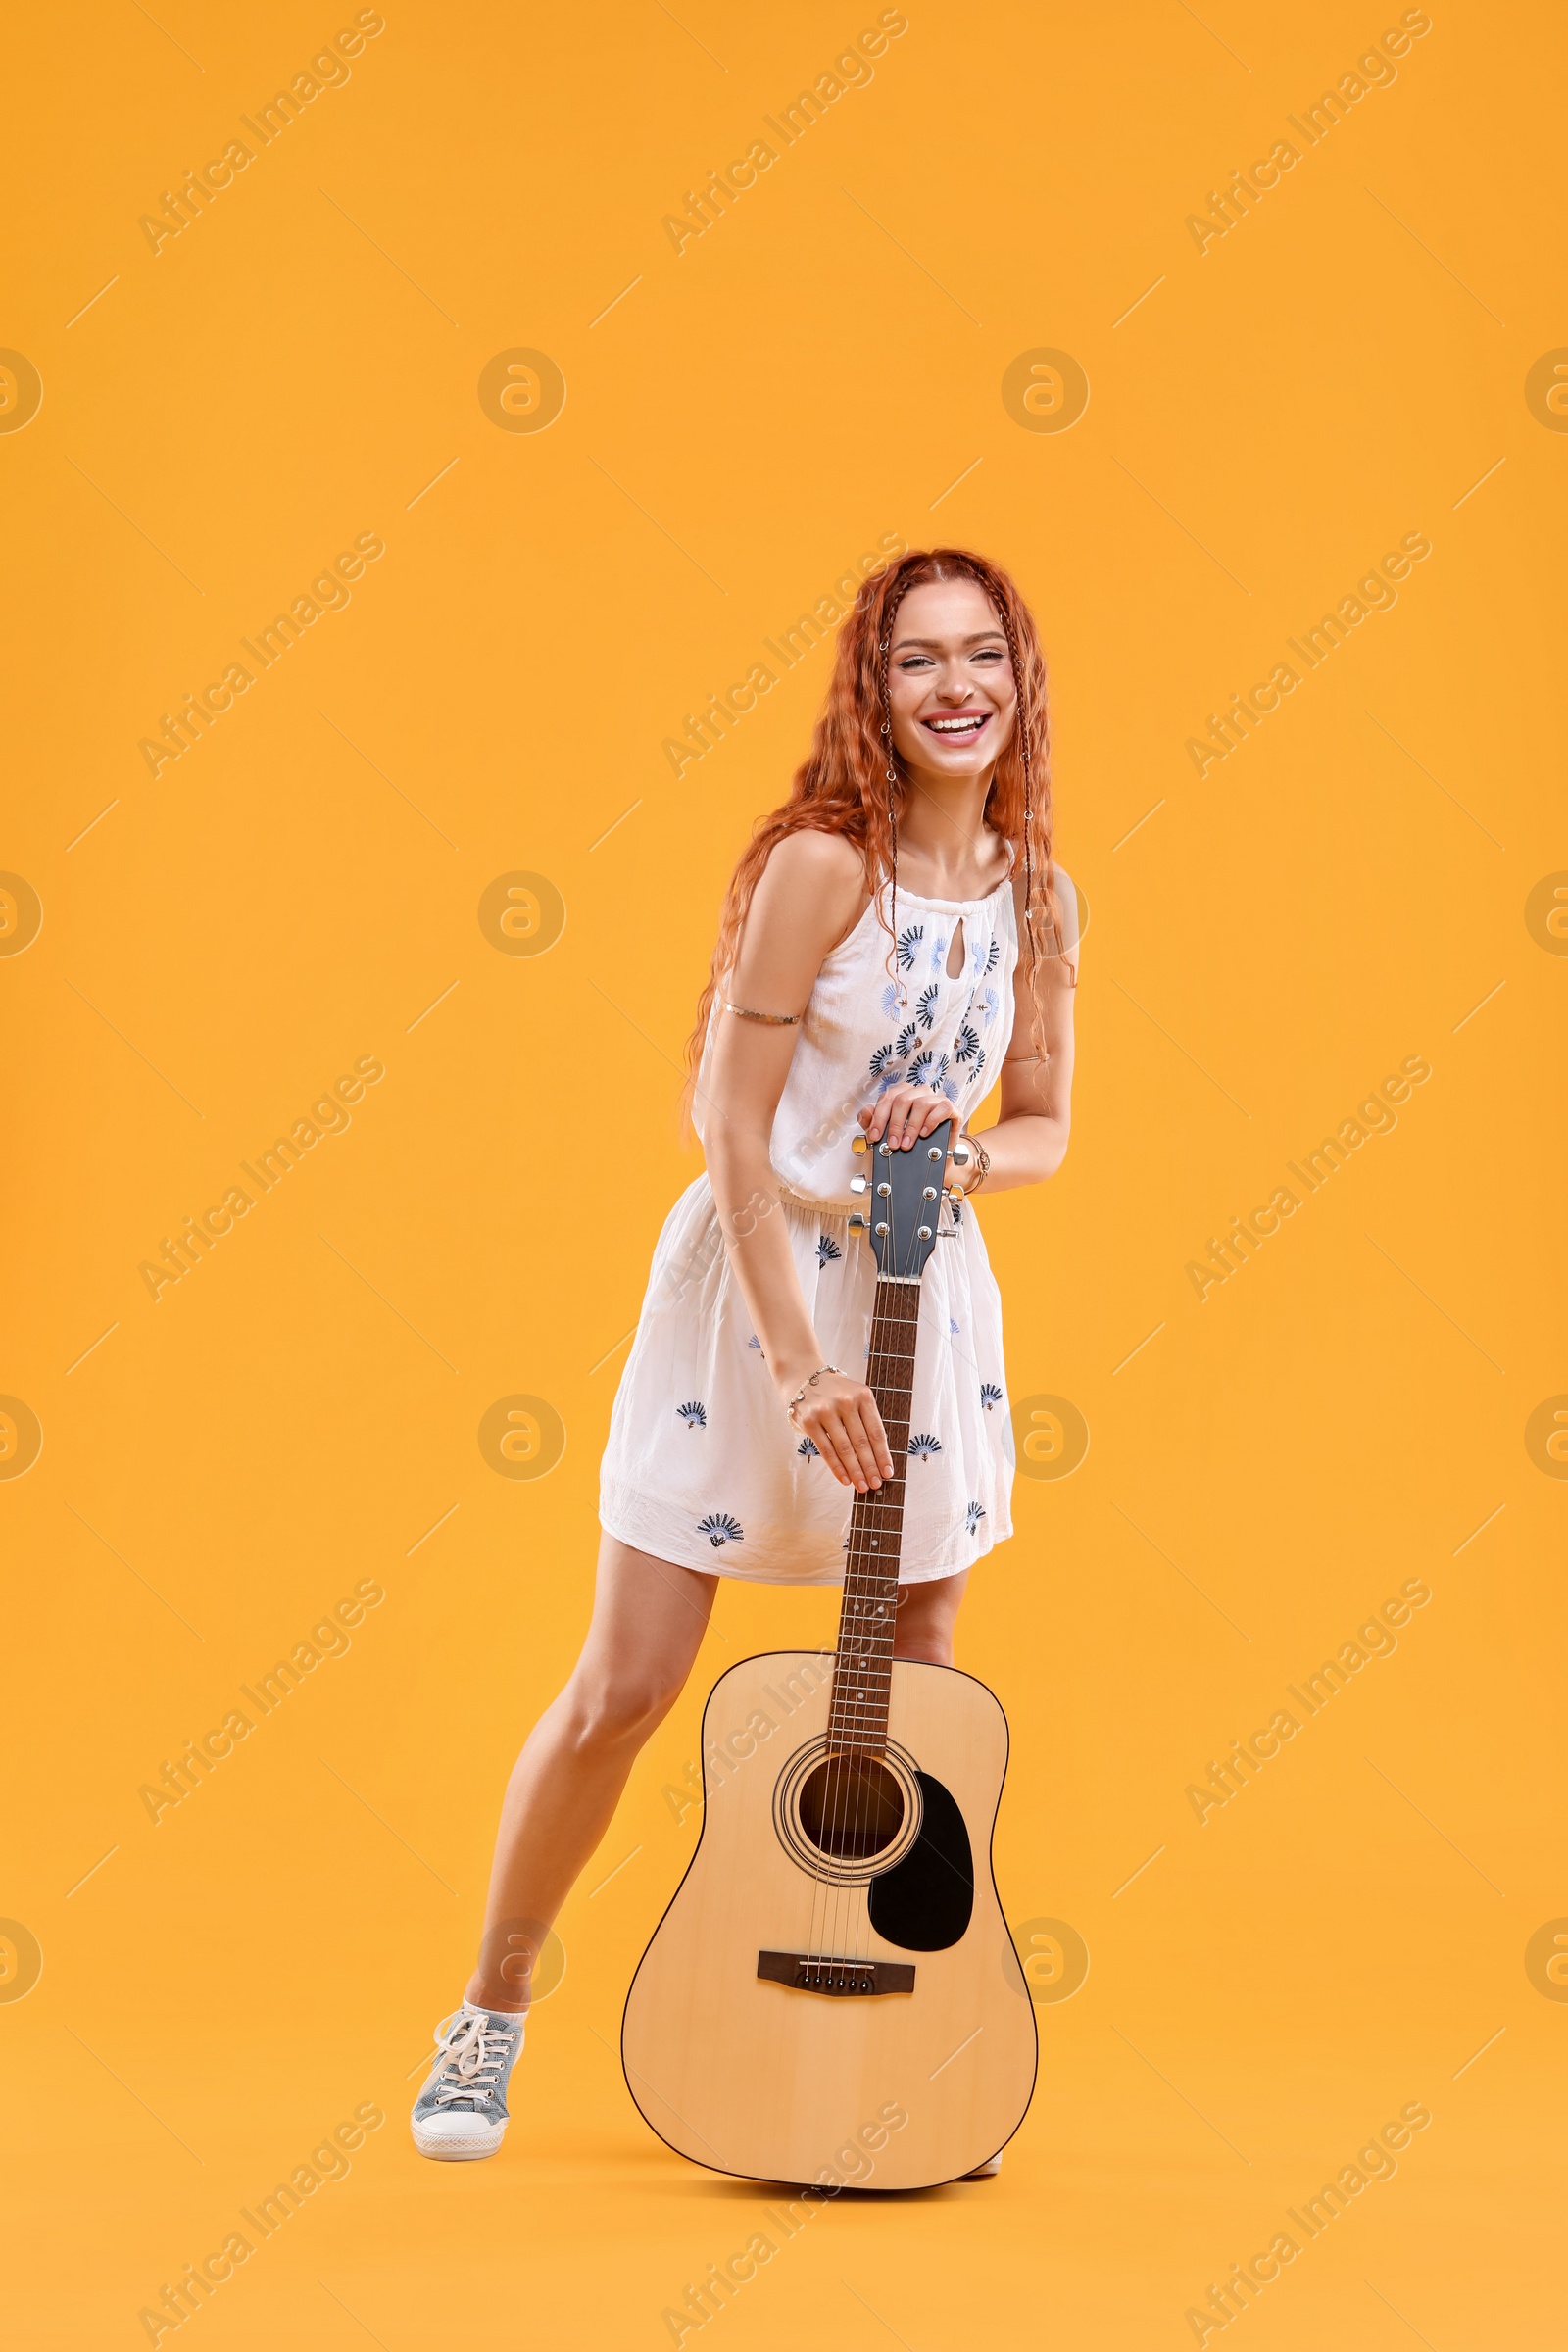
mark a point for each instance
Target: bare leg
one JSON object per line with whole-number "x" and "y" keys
{"x": 647, "y": 1624}
{"x": 927, "y": 1614}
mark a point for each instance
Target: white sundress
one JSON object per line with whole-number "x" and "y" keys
{"x": 702, "y": 1466}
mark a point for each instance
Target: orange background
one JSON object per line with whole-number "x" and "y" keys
{"x": 301, "y": 890}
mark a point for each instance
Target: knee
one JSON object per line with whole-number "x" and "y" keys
{"x": 620, "y": 1710}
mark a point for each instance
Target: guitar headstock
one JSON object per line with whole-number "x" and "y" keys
{"x": 905, "y": 1192}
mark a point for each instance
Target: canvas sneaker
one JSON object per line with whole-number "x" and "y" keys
{"x": 461, "y": 2112}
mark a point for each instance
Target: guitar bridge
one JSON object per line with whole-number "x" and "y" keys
{"x": 814, "y": 1972}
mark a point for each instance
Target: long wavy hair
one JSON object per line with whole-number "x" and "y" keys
{"x": 855, "y": 783}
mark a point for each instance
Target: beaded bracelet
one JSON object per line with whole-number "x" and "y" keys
{"x": 983, "y": 1159}
{"x": 799, "y": 1394}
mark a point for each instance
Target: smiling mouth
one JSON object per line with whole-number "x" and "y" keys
{"x": 958, "y": 726}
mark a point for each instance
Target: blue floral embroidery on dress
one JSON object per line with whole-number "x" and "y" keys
{"x": 895, "y": 996}
{"x": 979, "y": 1065}
{"x": 754, "y": 1342}
{"x": 941, "y": 1069}
{"x": 990, "y": 1394}
{"x": 806, "y": 1451}
{"x": 920, "y": 1069}
{"x": 952, "y": 1328}
{"x": 938, "y": 951}
{"x": 925, "y": 1005}
{"x": 826, "y": 1249}
{"x": 924, "y": 1446}
{"x": 694, "y": 1415}
{"x": 904, "y": 1041}
{"x": 966, "y": 1045}
{"x": 977, "y": 958}
{"x": 973, "y": 1518}
{"x": 994, "y": 958}
{"x": 883, "y": 1059}
{"x": 719, "y": 1528}
{"x": 909, "y": 941}
{"x": 990, "y": 1004}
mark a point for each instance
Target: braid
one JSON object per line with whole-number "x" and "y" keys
{"x": 1026, "y": 759}
{"x": 884, "y": 644}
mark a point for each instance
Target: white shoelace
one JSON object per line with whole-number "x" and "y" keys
{"x": 473, "y": 2050}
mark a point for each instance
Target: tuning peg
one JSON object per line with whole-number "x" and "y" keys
{"x": 859, "y": 1183}
{"x": 857, "y": 1223}
{"x": 959, "y": 1157}
{"x": 860, "y": 1144}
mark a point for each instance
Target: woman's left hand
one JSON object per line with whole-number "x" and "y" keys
{"x": 904, "y": 1113}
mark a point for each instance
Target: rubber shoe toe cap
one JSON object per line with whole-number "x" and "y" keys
{"x": 456, "y": 2136}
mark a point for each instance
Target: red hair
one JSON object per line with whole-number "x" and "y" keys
{"x": 843, "y": 786}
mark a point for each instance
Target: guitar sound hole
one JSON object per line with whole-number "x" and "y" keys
{"x": 851, "y": 1806}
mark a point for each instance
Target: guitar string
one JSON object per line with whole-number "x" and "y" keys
{"x": 915, "y": 1301}
{"x": 844, "y": 1769}
{"x": 883, "y": 1328}
{"x": 860, "y": 1540}
{"x": 903, "y": 1326}
{"x": 840, "y": 1752}
{"x": 874, "y": 1648}
{"x": 855, "y": 1770}
{"x": 873, "y": 1636}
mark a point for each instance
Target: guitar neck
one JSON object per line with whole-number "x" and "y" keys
{"x": 862, "y": 1674}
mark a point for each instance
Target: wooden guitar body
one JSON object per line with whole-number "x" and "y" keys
{"x": 889, "y": 2040}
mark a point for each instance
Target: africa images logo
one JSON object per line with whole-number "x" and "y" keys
{"x": 179, "y": 732}
{"x": 181, "y": 1253}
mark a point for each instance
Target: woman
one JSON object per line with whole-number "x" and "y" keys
{"x": 868, "y": 978}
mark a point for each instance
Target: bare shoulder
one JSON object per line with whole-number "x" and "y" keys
{"x": 808, "y": 896}
{"x": 1067, "y": 908}
{"x": 815, "y": 877}
{"x": 816, "y": 860}
{"x": 1068, "y": 911}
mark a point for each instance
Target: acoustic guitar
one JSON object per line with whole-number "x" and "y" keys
{"x": 833, "y": 1986}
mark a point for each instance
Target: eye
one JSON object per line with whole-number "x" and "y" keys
{"x": 916, "y": 661}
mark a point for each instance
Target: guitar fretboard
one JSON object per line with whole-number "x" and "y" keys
{"x": 862, "y": 1675}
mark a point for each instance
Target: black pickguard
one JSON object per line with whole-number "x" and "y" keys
{"x": 924, "y": 1902}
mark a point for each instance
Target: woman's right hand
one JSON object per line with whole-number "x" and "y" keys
{"x": 840, "y": 1417}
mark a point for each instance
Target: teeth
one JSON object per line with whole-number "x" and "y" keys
{"x": 958, "y": 726}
